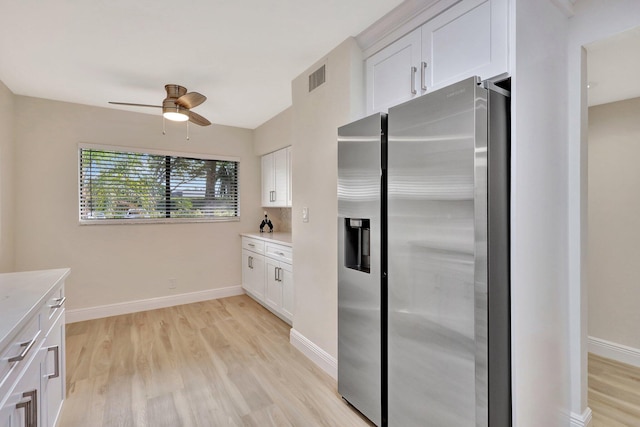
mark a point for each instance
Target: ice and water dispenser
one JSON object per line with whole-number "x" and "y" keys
{"x": 357, "y": 244}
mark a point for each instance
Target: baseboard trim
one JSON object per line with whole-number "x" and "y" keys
{"x": 98, "y": 312}
{"x": 611, "y": 350}
{"x": 583, "y": 420}
{"x": 317, "y": 355}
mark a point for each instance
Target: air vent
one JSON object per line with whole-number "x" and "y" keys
{"x": 317, "y": 78}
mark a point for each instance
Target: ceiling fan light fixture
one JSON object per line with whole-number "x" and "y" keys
{"x": 175, "y": 116}
{"x": 174, "y": 112}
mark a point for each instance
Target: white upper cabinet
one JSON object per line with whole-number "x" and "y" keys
{"x": 289, "y": 180}
{"x": 468, "y": 39}
{"x": 275, "y": 179}
{"x": 391, "y": 73}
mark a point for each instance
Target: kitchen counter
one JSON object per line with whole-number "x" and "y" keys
{"x": 281, "y": 238}
{"x": 21, "y": 295}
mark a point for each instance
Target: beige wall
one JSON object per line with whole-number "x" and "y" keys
{"x": 316, "y": 117}
{"x": 614, "y": 222}
{"x": 274, "y": 134}
{"x": 6, "y": 179}
{"x": 118, "y": 263}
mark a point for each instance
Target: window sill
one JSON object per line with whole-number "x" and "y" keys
{"x": 156, "y": 221}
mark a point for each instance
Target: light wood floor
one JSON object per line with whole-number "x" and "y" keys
{"x": 225, "y": 362}
{"x": 614, "y": 393}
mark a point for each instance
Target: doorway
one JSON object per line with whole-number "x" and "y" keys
{"x": 613, "y": 228}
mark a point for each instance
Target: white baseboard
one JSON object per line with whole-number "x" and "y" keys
{"x": 583, "y": 420}
{"x": 98, "y": 312}
{"x": 611, "y": 350}
{"x": 324, "y": 360}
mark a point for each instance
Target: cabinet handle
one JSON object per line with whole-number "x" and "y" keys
{"x": 275, "y": 274}
{"x": 250, "y": 262}
{"x": 56, "y": 362}
{"x": 280, "y": 253}
{"x": 251, "y": 244}
{"x": 30, "y": 408}
{"x": 59, "y": 302}
{"x": 27, "y": 346}
{"x": 413, "y": 80}
{"x": 423, "y": 75}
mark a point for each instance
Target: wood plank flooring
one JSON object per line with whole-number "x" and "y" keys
{"x": 225, "y": 362}
{"x": 614, "y": 393}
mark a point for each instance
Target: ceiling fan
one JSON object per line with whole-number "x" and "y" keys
{"x": 177, "y": 105}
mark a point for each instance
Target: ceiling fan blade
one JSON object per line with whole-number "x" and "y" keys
{"x": 135, "y": 105}
{"x": 198, "y": 119}
{"x": 191, "y": 100}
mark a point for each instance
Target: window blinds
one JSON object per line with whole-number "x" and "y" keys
{"x": 119, "y": 185}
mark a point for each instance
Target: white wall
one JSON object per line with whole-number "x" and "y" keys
{"x": 539, "y": 215}
{"x": 118, "y": 263}
{"x": 614, "y": 223}
{"x": 6, "y": 179}
{"x": 316, "y": 117}
{"x": 274, "y": 134}
{"x": 593, "y": 20}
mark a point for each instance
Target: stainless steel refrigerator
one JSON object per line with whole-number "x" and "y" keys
{"x": 423, "y": 269}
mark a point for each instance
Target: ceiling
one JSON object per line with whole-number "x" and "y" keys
{"x": 613, "y": 68}
{"x": 242, "y": 55}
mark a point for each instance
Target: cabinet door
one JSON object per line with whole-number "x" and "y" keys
{"x": 273, "y": 297}
{"x": 286, "y": 276}
{"x": 53, "y": 384}
{"x": 22, "y": 407}
{"x": 470, "y": 39}
{"x": 253, "y": 274}
{"x": 281, "y": 178}
{"x": 268, "y": 182}
{"x": 393, "y": 74}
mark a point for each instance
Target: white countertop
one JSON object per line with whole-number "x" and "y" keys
{"x": 21, "y": 295}
{"x": 275, "y": 237}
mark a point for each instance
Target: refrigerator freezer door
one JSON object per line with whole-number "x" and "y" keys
{"x": 437, "y": 325}
{"x": 359, "y": 265}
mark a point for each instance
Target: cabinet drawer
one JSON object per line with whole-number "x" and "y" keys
{"x": 24, "y": 344}
{"x": 253, "y": 245}
{"x": 52, "y": 308}
{"x": 279, "y": 252}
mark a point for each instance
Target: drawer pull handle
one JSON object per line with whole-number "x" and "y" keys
{"x": 280, "y": 253}
{"x": 59, "y": 302}
{"x": 27, "y": 346}
{"x": 30, "y": 408}
{"x": 252, "y": 245}
{"x": 56, "y": 362}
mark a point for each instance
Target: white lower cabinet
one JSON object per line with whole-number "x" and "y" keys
{"x": 21, "y": 408}
{"x": 32, "y": 359}
{"x": 267, "y": 275}
{"x": 53, "y": 367}
{"x": 253, "y": 274}
{"x": 280, "y": 287}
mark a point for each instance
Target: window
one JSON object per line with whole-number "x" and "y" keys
{"x": 134, "y": 186}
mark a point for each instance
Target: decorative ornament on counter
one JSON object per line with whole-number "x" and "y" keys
{"x": 266, "y": 221}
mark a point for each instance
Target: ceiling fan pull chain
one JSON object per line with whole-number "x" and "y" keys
{"x": 164, "y": 132}
{"x": 187, "y": 130}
